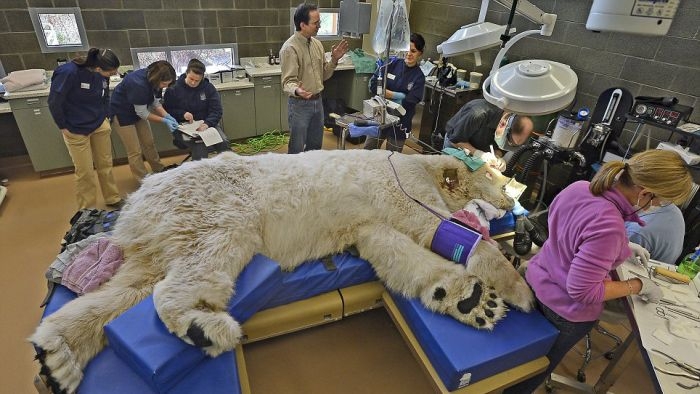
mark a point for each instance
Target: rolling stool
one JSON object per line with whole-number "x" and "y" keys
{"x": 613, "y": 313}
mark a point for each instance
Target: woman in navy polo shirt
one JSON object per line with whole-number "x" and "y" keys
{"x": 132, "y": 105}
{"x": 78, "y": 101}
{"x": 192, "y": 98}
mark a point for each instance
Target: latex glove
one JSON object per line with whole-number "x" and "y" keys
{"x": 493, "y": 161}
{"x": 171, "y": 123}
{"x": 639, "y": 252}
{"x": 397, "y": 97}
{"x": 650, "y": 292}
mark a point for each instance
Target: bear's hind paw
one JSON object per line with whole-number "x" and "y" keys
{"x": 467, "y": 300}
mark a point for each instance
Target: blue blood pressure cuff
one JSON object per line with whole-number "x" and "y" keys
{"x": 369, "y": 131}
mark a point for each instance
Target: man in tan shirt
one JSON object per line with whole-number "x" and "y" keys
{"x": 304, "y": 68}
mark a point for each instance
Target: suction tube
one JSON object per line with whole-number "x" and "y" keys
{"x": 510, "y": 167}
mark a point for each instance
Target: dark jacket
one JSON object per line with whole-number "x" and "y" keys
{"x": 407, "y": 80}
{"x": 78, "y": 98}
{"x": 134, "y": 89}
{"x": 474, "y": 123}
{"x": 203, "y": 102}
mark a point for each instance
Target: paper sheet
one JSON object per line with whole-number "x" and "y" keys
{"x": 209, "y": 136}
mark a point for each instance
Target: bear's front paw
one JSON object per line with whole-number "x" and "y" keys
{"x": 466, "y": 299}
{"x": 214, "y": 332}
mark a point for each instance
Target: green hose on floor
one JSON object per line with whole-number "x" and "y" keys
{"x": 266, "y": 142}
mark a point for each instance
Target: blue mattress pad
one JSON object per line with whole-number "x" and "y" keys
{"x": 461, "y": 354}
{"x": 160, "y": 358}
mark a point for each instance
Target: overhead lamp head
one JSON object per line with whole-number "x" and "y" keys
{"x": 472, "y": 38}
{"x": 531, "y": 87}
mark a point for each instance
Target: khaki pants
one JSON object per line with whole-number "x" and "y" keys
{"x": 86, "y": 151}
{"x": 138, "y": 141}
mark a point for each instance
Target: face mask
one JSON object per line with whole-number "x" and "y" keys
{"x": 501, "y": 141}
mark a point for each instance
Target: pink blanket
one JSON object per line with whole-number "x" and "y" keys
{"x": 93, "y": 266}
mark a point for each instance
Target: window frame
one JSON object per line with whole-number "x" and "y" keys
{"x": 338, "y": 36}
{"x": 169, "y": 49}
{"x": 34, "y": 13}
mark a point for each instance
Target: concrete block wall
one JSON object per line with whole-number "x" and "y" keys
{"x": 256, "y": 25}
{"x": 647, "y": 66}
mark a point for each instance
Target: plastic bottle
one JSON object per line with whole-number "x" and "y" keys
{"x": 690, "y": 266}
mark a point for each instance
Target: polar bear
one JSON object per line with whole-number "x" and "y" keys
{"x": 187, "y": 233}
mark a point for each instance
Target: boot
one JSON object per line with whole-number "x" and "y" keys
{"x": 522, "y": 243}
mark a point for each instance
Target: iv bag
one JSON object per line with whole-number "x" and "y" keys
{"x": 400, "y": 33}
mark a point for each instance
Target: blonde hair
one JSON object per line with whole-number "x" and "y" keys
{"x": 663, "y": 173}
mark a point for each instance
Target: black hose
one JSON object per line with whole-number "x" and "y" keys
{"x": 536, "y": 158}
{"x": 510, "y": 167}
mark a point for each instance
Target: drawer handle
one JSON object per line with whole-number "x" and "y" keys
{"x": 266, "y": 78}
{"x": 32, "y": 101}
{"x": 267, "y": 86}
{"x": 237, "y": 93}
{"x": 37, "y": 112}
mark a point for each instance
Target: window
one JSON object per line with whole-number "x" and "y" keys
{"x": 330, "y": 18}
{"x": 59, "y": 29}
{"x": 216, "y": 57}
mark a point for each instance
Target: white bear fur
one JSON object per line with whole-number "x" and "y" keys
{"x": 187, "y": 233}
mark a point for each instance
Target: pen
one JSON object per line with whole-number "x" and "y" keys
{"x": 492, "y": 152}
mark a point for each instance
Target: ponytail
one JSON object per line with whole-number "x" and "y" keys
{"x": 608, "y": 174}
{"x": 105, "y": 59}
{"x": 661, "y": 172}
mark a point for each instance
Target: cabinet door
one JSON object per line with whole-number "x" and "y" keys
{"x": 360, "y": 91}
{"x": 284, "y": 111}
{"x": 239, "y": 113}
{"x": 42, "y": 138}
{"x": 267, "y": 101}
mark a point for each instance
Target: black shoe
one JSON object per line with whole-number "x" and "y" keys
{"x": 117, "y": 205}
{"x": 522, "y": 244}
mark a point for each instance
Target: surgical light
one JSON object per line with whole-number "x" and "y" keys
{"x": 532, "y": 87}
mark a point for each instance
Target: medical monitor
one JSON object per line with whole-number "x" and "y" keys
{"x": 330, "y": 23}
{"x": 59, "y": 29}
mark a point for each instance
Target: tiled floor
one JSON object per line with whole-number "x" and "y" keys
{"x": 365, "y": 354}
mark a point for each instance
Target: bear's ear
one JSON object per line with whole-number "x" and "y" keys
{"x": 450, "y": 179}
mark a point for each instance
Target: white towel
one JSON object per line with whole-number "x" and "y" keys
{"x": 484, "y": 210}
{"x": 19, "y": 80}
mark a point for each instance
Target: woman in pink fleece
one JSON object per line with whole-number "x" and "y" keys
{"x": 587, "y": 240}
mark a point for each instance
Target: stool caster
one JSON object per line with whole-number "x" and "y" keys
{"x": 610, "y": 355}
{"x": 581, "y": 376}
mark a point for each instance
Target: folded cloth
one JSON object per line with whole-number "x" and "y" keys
{"x": 21, "y": 79}
{"x": 38, "y": 86}
{"x": 484, "y": 210}
{"x": 93, "y": 266}
{"x": 473, "y": 163}
{"x": 369, "y": 131}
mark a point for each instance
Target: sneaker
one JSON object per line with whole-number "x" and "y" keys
{"x": 117, "y": 205}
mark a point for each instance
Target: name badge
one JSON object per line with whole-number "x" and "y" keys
{"x": 391, "y": 76}
{"x": 202, "y": 96}
{"x": 84, "y": 85}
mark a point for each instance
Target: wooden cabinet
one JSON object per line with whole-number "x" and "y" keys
{"x": 238, "y": 120}
{"x": 267, "y": 103}
{"x": 42, "y": 138}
